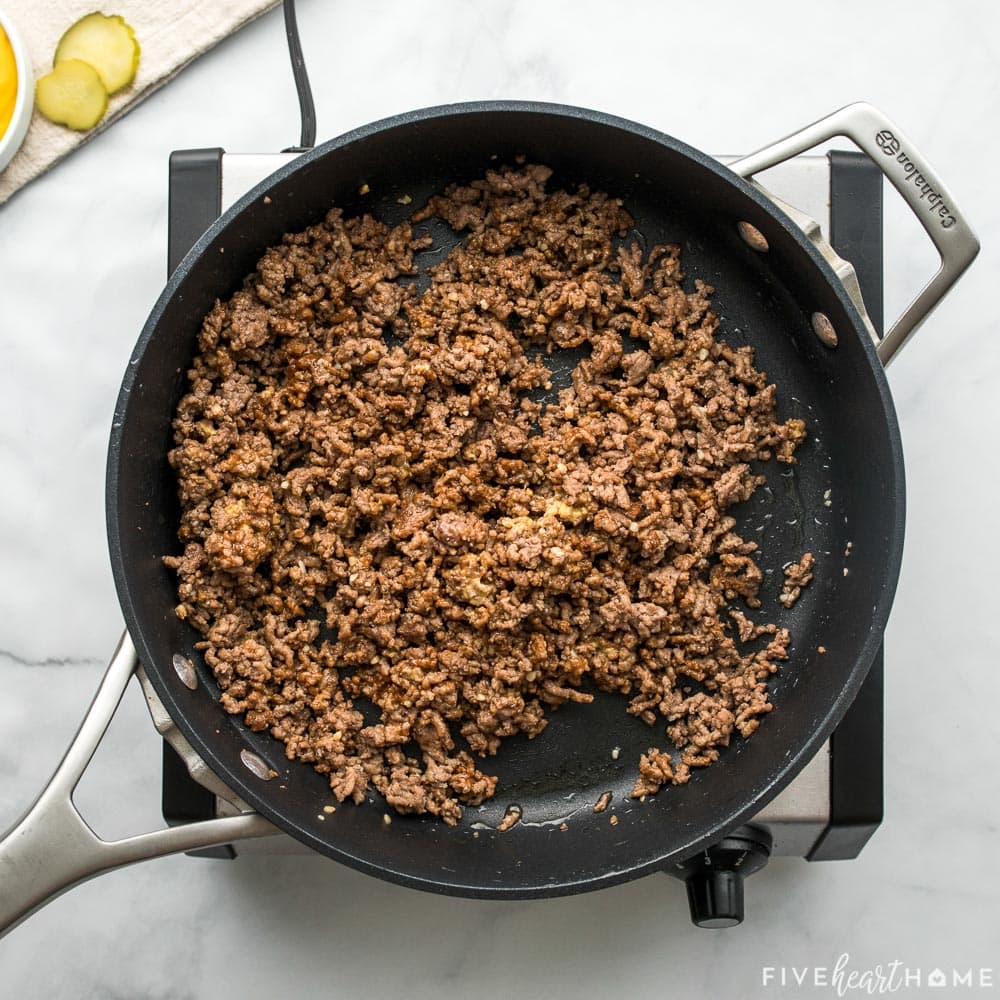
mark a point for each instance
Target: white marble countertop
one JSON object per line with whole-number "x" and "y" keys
{"x": 82, "y": 258}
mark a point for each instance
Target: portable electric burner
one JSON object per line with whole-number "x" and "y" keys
{"x": 834, "y": 805}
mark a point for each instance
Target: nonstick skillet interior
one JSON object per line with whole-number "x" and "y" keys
{"x": 852, "y": 459}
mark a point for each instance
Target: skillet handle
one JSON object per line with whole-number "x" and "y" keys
{"x": 51, "y": 849}
{"x": 912, "y": 176}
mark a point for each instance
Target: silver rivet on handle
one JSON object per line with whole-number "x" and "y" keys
{"x": 823, "y": 329}
{"x": 753, "y": 237}
{"x": 185, "y": 671}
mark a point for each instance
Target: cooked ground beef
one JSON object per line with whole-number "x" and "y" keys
{"x": 797, "y": 576}
{"x": 378, "y": 514}
{"x": 655, "y": 770}
{"x": 510, "y": 819}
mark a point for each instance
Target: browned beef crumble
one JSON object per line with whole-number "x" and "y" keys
{"x": 655, "y": 770}
{"x": 797, "y": 575}
{"x": 395, "y": 519}
{"x": 510, "y": 819}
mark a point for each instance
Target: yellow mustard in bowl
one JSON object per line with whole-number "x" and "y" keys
{"x": 8, "y": 81}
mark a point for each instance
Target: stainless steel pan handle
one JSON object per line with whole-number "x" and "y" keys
{"x": 912, "y": 176}
{"x": 51, "y": 849}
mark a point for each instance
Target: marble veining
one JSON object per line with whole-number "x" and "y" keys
{"x": 82, "y": 259}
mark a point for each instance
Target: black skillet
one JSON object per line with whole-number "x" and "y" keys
{"x": 778, "y": 301}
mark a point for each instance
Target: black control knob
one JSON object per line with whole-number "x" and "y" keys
{"x": 714, "y": 877}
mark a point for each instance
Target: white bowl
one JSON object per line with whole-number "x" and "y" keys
{"x": 24, "y": 103}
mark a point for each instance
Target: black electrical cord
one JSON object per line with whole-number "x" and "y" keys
{"x": 307, "y": 110}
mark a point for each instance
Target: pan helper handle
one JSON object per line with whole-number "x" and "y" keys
{"x": 912, "y": 176}
{"x": 51, "y": 849}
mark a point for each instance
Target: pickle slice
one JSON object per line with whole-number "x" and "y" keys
{"x": 107, "y": 43}
{"x": 72, "y": 94}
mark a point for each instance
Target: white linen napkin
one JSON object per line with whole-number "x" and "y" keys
{"x": 171, "y": 35}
